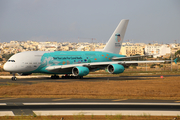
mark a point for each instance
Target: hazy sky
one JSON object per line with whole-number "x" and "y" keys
{"x": 66, "y": 20}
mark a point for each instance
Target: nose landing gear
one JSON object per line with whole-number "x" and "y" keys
{"x": 14, "y": 77}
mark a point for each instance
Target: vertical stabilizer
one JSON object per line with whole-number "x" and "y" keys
{"x": 116, "y": 39}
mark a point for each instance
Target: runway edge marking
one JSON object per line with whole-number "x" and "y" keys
{"x": 106, "y": 112}
{"x": 3, "y": 104}
{"x": 6, "y": 113}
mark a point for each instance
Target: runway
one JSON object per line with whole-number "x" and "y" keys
{"x": 67, "y": 106}
{"x": 4, "y": 80}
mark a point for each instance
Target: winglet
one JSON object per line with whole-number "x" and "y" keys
{"x": 175, "y": 60}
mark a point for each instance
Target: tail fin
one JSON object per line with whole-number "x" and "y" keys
{"x": 115, "y": 41}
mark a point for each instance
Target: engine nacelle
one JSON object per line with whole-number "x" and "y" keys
{"x": 24, "y": 74}
{"x": 80, "y": 71}
{"x": 115, "y": 68}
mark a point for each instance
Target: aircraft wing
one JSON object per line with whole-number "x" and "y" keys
{"x": 97, "y": 64}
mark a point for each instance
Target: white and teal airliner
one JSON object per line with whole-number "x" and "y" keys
{"x": 73, "y": 64}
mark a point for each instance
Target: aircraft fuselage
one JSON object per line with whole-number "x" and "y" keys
{"x": 38, "y": 61}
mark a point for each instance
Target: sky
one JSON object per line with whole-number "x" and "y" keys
{"x": 66, "y": 20}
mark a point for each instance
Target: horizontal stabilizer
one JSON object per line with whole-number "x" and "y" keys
{"x": 175, "y": 60}
{"x": 137, "y": 56}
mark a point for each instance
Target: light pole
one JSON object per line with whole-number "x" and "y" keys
{"x": 171, "y": 62}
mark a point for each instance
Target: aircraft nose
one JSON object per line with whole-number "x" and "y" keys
{"x": 5, "y": 67}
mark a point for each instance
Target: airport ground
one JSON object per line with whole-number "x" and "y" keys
{"x": 129, "y": 85}
{"x": 99, "y": 85}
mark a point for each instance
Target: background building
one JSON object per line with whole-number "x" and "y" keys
{"x": 157, "y": 50}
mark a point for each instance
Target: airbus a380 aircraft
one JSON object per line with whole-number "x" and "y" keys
{"x": 77, "y": 63}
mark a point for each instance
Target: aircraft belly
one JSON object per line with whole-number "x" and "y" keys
{"x": 62, "y": 71}
{"x": 29, "y": 68}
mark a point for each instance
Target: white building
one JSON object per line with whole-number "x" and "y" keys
{"x": 157, "y": 50}
{"x": 47, "y": 47}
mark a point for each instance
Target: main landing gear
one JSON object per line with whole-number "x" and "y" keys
{"x": 14, "y": 77}
{"x": 71, "y": 77}
{"x": 54, "y": 76}
{"x": 66, "y": 76}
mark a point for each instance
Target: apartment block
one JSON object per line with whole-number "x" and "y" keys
{"x": 157, "y": 50}
{"x": 130, "y": 50}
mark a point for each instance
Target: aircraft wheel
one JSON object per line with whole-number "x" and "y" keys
{"x": 72, "y": 77}
{"x": 14, "y": 78}
{"x": 79, "y": 77}
{"x": 54, "y": 77}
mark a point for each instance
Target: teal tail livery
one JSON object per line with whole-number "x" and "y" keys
{"x": 74, "y": 64}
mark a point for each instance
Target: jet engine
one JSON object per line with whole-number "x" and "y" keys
{"x": 115, "y": 68}
{"x": 80, "y": 71}
{"x": 24, "y": 74}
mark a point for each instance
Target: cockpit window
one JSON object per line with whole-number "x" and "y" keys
{"x": 11, "y": 61}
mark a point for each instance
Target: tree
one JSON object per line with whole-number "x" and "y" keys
{"x": 176, "y": 55}
{"x": 7, "y": 56}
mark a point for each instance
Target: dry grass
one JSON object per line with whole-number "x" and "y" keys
{"x": 167, "y": 88}
{"x": 86, "y": 117}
